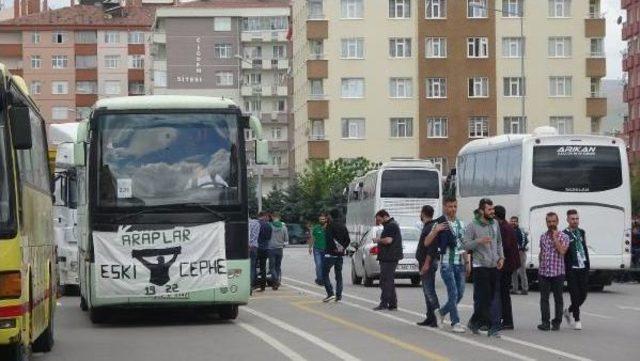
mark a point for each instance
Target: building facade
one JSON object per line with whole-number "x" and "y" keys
{"x": 631, "y": 65}
{"x": 235, "y": 49}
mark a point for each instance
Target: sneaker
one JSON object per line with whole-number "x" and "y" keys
{"x": 577, "y": 325}
{"x": 506, "y": 327}
{"x": 457, "y": 328}
{"x": 474, "y": 329}
{"x": 567, "y": 316}
{"x": 328, "y": 298}
{"x": 555, "y": 327}
{"x": 338, "y": 298}
{"x": 392, "y": 308}
{"x": 544, "y": 327}
{"x": 379, "y": 308}
{"x": 494, "y": 334}
{"x": 440, "y": 317}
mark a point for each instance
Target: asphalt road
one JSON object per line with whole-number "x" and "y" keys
{"x": 292, "y": 323}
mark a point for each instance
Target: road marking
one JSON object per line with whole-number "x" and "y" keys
{"x": 506, "y": 338}
{"x": 342, "y": 355}
{"x": 627, "y": 308}
{"x": 384, "y": 337}
{"x": 596, "y": 315}
{"x": 274, "y": 297}
{"x": 279, "y": 346}
{"x": 512, "y": 355}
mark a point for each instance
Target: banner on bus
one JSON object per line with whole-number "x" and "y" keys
{"x": 141, "y": 261}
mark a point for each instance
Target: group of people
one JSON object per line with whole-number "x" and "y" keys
{"x": 267, "y": 238}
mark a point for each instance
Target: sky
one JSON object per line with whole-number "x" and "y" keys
{"x": 613, "y": 41}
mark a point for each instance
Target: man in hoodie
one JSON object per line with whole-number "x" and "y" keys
{"x": 264, "y": 235}
{"x": 511, "y": 264}
{"x": 337, "y": 240}
{"x": 577, "y": 268}
{"x": 482, "y": 236}
{"x": 279, "y": 237}
{"x": 390, "y": 252}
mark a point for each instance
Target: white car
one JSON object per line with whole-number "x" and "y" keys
{"x": 364, "y": 261}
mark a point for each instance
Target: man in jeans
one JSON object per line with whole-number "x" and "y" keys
{"x": 279, "y": 237}
{"x": 577, "y": 268}
{"x": 426, "y": 255}
{"x": 482, "y": 237}
{"x": 390, "y": 252}
{"x": 337, "y": 240}
{"x": 317, "y": 245}
{"x": 521, "y": 272}
{"x": 553, "y": 246}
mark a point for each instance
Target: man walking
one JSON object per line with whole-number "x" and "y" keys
{"x": 482, "y": 237}
{"x": 390, "y": 252}
{"x": 317, "y": 246}
{"x": 279, "y": 237}
{"x": 337, "y": 241}
{"x": 553, "y": 246}
{"x": 511, "y": 263}
{"x": 426, "y": 254}
{"x": 577, "y": 268}
{"x": 263, "y": 247}
{"x": 521, "y": 272}
{"x": 254, "y": 231}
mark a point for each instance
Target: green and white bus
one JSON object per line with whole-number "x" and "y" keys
{"x": 162, "y": 205}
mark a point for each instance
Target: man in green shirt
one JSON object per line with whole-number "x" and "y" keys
{"x": 317, "y": 245}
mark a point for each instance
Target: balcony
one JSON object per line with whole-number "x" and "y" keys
{"x": 86, "y": 100}
{"x": 594, "y": 28}
{"x": 86, "y": 49}
{"x": 86, "y": 74}
{"x": 278, "y": 146}
{"x": 11, "y": 51}
{"x": 317, "y": 69}
{"x": 282, "y": 91}
{"x": 596, "y": 67}
{"x": 318, "y": 108}
{"x": 317, "y": 29}
{"x": 136, "y": 49}
{"x": 318, "y": 149}
{"x": 267, "y": 36}
{"x": 596, "y": 107}
{"x": 136, "y": 75}
{"x": 160, "y": 38}
{"x": 276, "y": 171}
{"x": 274, "y": 118}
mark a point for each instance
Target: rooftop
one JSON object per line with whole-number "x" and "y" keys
{"x": 83, "y": 16}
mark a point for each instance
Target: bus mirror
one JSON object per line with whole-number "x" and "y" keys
{"x": 262, "y": 151}
{"x": 20, "y": 127}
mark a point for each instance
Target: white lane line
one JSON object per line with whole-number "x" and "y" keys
{"x": 342, "y": 355}
{"x": 279, "y": 346}
{"x": 506, "y": 338}
{"x": 627, "y": 308}
{"x": 596, "y": 315}
{"x": 510, "y": 354}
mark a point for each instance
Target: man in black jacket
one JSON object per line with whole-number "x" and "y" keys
{"x": 263, "y": 247}
{"x": 390, "y": 252}
{"x": 577, "y": 265}
{"x": 427, "y": 256}
{"x": 337, "y": 238}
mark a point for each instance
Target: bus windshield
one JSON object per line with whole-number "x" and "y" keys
{"x": 4, "y": 182}
{"x": 571, "y": 168}
{"x": 410, "y": 183}
{"x": 163, "y": 159}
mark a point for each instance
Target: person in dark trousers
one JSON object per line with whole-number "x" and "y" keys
{"x": 521, "y": 273}
{"x": 264, "y": 236}
{"x": 254, "y": 231}
{"x": 337, "y": 241}
{"x": 577, "y": 268}
{"x": 482, "y": 236}
{"x": 390, "y": 252}
{"x": 553, "y": 247}
{"x": 427, "y": 257}
{"x": 511, "y": 264}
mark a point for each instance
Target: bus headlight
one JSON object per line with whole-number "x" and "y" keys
{"x": 10, "y": 285}
{"x": 11, "y": 323}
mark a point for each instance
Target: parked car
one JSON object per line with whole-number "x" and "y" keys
{"x": 297, "y": 234}
{"x": 364, "y": 262}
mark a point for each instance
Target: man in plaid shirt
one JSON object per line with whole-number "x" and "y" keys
{"x": 553, "y": 246}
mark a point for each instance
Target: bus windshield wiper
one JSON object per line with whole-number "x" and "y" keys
{"x": 142, "y": 211}
{"x": 220, "y": 215}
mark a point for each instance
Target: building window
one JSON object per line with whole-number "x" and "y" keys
{"x": 560, "y": 86}
{"x": 477, "y": 47}
{"x": 564, "y": 125}
{"x": 86, "y": 61}
{"x": 439, "y": 162}
{"x": 253, "y": 106}
{"x": 223, "y": 51}
{"x": 58, "y": 37}
{"x": 317, "y": 88}
{"x": 250, "y": 52}
{"x": 136, "y": 37}
{"x": 512, "y": 47}
{"x": 86, "y": 87}
{"x": 437, "y": 127}
{"x": 353, "y": 128}
{"x": 253, "y": 78}
{"x": 59, "y": 87}
{"x": 351, "y": 9}
{"x": 400, "y": 88}
{"x": 560, "y": 47}
{"x": 595, "y": 89}
{"x": 222, "y": 24}
{"x": 436, "y": 87}
{"x": 316, "y": 49}
{"x": 352, "y": 88}
{"x": 36, "y": 87}
{"x": 478, "y": 127}
{"x": 400, "y": 47}
{"x": 316, "y": 9}
{"x": 276, "y": 133}
{"x": 435, "y": 9}
{"x": 279, "y": 52}
{"x": 596, "y": 47}
{"x": 35, "y": 37}
{"x": 86, "y": 37}
{"x": 478, "y": 87}
{"x": 276, "y": 159}
{"x": 515, "y": 125}
{"x": 59, "y": 113}
{"x": 477, "y": 9}
{"x": 399, "y": 9}
{"x": 436, "y": 48}
{"x": 594, "y": 9}
{"x": 401, "y": 127}
{"x": 59, "y": 61}
{"x": 317, "y": 129}
{"x": 160, "y": 78}
{"x": 112, "y": 87}
{"x": 224, "y": 78}
{"x": 352, "y": 48}
{"x": 513, "y": 86}
{"x": 559, "y": 8}
{"x": 111, "y": 37}
{"x": 36, "y": 62}
{"x": 136, "y": 88}
{"x": 512, "y": 8}
{"x": 281, "y": 105}
{"x": 111, "y": 61}
{"x": 83, "y": 112}
{"x": 136, "y": 61}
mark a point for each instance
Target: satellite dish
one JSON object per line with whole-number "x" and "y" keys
{"x": 619, "y": 20}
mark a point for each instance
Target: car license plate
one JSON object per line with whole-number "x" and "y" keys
{"x": 406, "y": 267}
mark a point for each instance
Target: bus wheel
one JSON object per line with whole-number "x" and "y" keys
{"x": 44, "y": 343}
{"x": 98, "y": 315}
{"x": 355, "y": 280}
{"x": 83, "y": 304}
{"x": 229, "y": 312}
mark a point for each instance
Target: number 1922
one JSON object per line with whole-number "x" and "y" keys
{"x": 151, "y": 290}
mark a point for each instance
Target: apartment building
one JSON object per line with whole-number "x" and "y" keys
{"x": 631, "y": 65}
{"x": 355, "y": 79}
{"x": 73, "y": 56}
{"x": 236, "y": 49}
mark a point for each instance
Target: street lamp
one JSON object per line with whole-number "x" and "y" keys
{"x": 480, "y": 5}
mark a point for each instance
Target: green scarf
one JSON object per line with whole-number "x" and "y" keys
{"x": 457, "y": 231}
{"x": 578, "y": 238}
{"x": 277, "y": 224}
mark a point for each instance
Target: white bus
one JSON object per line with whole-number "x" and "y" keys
{"x": 401, "y": 187}
{"x": 531, "y": 175}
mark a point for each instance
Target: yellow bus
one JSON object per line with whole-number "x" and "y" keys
{"x": 27, "y": 253}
